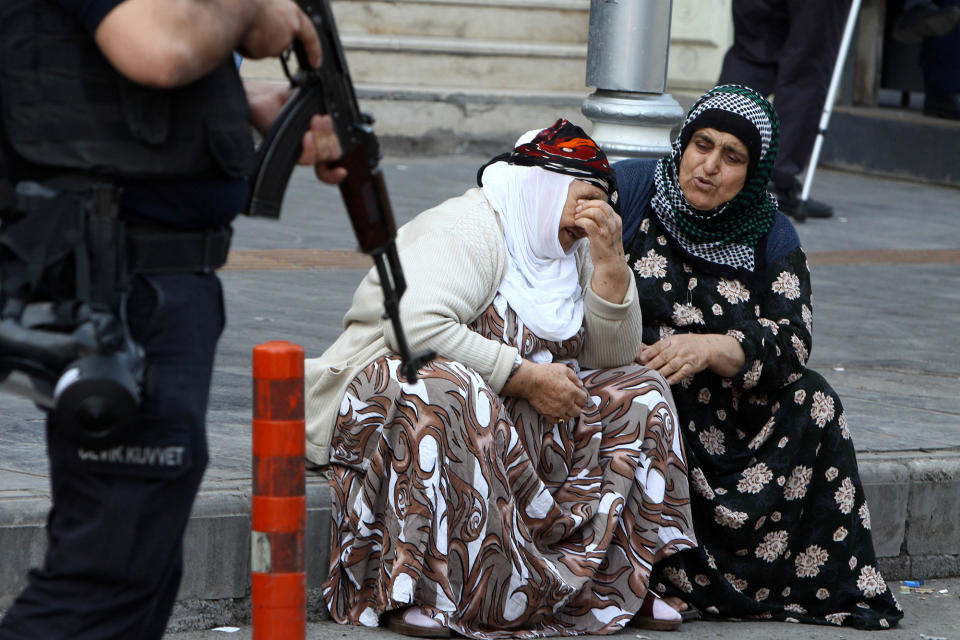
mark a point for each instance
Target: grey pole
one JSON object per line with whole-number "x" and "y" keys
{"x": 627, "y": 54}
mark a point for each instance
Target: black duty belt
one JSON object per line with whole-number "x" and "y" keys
{"x": 7, "y": 197}
{"x": 155, "y": 251}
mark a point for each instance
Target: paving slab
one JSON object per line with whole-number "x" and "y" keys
{"x": 886, "y": 277}
{"x": 927, "y": 616}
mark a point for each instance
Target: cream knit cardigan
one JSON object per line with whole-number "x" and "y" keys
{"x": 454, "y": 259}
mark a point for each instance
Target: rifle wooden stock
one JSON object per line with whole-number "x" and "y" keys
{"x": 368, "y": 205}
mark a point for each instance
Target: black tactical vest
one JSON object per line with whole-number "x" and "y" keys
{"x": 65, "y": 107}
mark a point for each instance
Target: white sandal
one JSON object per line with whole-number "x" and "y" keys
{"x": 414, "y": 621}
{"x": 656, "y": 615}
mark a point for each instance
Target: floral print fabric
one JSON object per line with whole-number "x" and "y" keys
{"x": 778, "y": 506}
{"x": 505, "y": 524}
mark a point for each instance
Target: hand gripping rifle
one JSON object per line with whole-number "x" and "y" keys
{"x": 329, "y": 90}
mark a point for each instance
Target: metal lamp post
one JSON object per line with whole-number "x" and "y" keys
{"x": 627, "y": 54}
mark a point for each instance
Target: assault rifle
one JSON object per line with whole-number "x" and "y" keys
{"x": 330, "y": 90}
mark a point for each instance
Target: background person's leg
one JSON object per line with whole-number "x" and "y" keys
{"x": 940, "y": 59}
{"x": 920, "y": 19}
{"x": 759, "y": 31}
{"x": 806, "y": 65}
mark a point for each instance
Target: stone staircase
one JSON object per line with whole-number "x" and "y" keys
{"x": 445, "y": 75}
{"x": 448, "y": 76}
{"x": 469, "y": 45}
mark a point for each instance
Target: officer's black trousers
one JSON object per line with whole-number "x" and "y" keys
{"x": 114, "y": 562}
{"x": 787, "y": 48}
{"x": 940, "y": 59}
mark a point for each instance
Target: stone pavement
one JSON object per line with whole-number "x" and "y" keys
{"x": 928, "y": 616}
{"x": 886, "y": 274}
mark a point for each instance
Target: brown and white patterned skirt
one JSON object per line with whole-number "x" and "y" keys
{"x": 446, "y": 495}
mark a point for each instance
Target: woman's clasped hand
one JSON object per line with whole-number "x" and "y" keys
{"x": 553, "y": 389}
{"x": 680, "y": 357}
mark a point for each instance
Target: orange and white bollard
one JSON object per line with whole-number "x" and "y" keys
{"x": 277, "y": 562}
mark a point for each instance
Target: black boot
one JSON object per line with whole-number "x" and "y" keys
{"x": 791, "y": 205}
{"x": 942, "y": 104}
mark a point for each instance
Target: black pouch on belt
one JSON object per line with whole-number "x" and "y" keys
{"x": 66, "y": 265}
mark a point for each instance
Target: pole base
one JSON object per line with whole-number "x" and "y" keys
{"x": 632, "y": 125}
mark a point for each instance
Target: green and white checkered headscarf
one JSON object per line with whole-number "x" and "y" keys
{"x": 727, "y": 235}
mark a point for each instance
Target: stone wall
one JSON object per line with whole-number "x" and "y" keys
{"x": 701, "y": 32}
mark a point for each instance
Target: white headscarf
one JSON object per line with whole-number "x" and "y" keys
{"x": 542, "y": 284}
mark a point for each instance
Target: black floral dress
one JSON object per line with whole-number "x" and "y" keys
{"x": 778, "y": 506}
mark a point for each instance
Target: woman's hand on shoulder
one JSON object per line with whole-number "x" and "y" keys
{"x": 611, "y": 275}
{"x": 554, "y": 390}
{"x": 684, "y": 355}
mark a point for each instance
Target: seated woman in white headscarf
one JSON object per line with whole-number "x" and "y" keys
{"x": 528, "y": 480}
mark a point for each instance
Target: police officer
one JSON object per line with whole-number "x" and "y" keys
{"x": 146, "y": 95}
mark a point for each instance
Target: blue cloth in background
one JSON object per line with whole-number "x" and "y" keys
{"x": 635, "y": 184}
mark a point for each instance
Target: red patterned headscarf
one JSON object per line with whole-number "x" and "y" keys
{"x": 563, "y": 148}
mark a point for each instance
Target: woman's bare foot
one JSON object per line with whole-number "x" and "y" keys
{"x": 656, "y": 615}
{"x": 414, "y": 621}
{"x": 676, "y": 603}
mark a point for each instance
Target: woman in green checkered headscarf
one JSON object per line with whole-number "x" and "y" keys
{"x": 711, "y": 193}
{"x": 779, "y": 510}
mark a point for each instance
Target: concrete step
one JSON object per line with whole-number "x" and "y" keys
{"x": 894, "y": 142}
{"x": 442, "y": 120}
{"x": 894, "y": 368}
{"x": 914, "y": 499}
{"x": 434, "y": 61}
{"x": 880, "y": 141}
{"x": 556, "y": 21}
{"x": 455, "y": 120}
